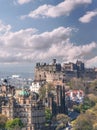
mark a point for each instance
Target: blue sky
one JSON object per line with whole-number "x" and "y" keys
{"x": 39, "y": 30}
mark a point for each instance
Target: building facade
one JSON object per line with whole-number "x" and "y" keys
{"x": 47, "y": 72}
{"x": 55, "y": 71}
{"x": 27, "y": 107}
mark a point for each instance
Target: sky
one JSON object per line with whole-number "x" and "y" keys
{"x": 40, "y": 30}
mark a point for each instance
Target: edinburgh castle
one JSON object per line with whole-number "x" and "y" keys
{"x": 55, "y": 71}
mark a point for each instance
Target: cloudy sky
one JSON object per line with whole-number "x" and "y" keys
{"x": 39, "y": 30}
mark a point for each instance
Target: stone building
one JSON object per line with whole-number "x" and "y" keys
{"x": 47, "y": 72}
{"x": 27, "y": 107}
{"x": 56, "y": 71}
{"x": 69, "y": 66}
{"x": 36, "y": 86}
{"x": 74, "y": 69}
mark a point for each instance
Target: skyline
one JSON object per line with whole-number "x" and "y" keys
{"x": 40, "y": 30}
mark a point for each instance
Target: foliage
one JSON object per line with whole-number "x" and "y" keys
{"x": 83, "y": 123}
{"x": 87, "y": 104}
{"x": 60, "y": 126}
{"x": 76, "y": 83}
{"x": 77, "y": 108}
{"x": 3, "y": 120}
{"x": 47, "y": 88}
{"x": 94, "y": 83}
{"x": 15, "y": 124}
{"x": 48, "y": 115}
{"x": 87, "y": 87}
{"x": 93, "y": 87}
{"x": 87, "y": 121}
{"x": 62, "y": 120}
{"x": 92, "y": 113}
{"x": 62, "y": 117}
{"x": 92, "y": 97}
{"x": 95, "y": 126}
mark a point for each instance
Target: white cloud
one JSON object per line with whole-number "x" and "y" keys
{"x": 88, "y": 16}
{"x": 76, "y": 52}
{"x": 28, "y": 45}
{"x": 63, "y": 8}
{"x": 92, "y": 62}
{"x": 4, "y": 28}
{"x": 23, "y": 1}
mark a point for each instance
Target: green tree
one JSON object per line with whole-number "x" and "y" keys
{"x": 60, "y": 126}
{"x": 87, "y": 121}
{"x": 93, "y": 87}
{"x": 15, "y": 124}
{"x": 83, "y": 123}
{"x": 87, "y": 104}
{"x": 92, "y": 97}
{"x": 77, "y": 108}
{"x": 76, "y": 83}
{"x": 62, "y": 121}
{"x": 92, "y": 114}
{"x": 48, "y": 115}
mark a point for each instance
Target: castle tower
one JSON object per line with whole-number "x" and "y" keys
{"x": 54, "y": 61}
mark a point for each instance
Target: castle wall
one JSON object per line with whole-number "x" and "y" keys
{"x": 54, "y": 71}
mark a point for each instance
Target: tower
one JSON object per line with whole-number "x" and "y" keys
{"x": 54, "y": 61}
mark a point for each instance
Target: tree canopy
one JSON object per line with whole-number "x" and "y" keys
{"x": 48, "y": 115}
{"x": 62, "y": 120}
{"x": 83, "y": 123}
{"x": 87, "y": 120}
{"x": 15, "y": 124}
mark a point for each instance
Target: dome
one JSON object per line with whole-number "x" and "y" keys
{"x": 24, "y": 93}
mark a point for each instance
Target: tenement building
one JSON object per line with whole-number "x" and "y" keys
{"x": 25, "y": 106}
